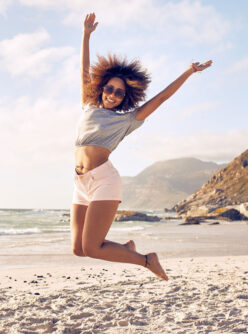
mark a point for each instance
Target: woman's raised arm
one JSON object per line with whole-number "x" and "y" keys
{"x": 89, "y": 26}
{"x": 147, "y": 108}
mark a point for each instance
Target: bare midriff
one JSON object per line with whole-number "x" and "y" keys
{"x": 89, "y": 157}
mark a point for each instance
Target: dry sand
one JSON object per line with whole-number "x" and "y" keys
{"x": 203, "y": 295}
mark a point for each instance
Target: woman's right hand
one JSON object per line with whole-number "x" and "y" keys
{"x": 89, "y": 23}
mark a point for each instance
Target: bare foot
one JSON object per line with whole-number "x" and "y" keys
{"x": 130, "y": 245}
{"x": 155, "y": 266}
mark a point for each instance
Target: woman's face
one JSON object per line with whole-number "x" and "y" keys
{"x": 110, "y": 100}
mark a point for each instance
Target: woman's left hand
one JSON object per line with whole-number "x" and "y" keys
{"x": 197, "y": 67}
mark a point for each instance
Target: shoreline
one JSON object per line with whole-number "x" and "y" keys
{"x": 169, "y": 241}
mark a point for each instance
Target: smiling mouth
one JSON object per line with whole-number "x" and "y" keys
{"x": 109, "y": 100}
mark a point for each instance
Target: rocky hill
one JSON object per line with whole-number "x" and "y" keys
{"x": 227, "y": 188}
{"x": 165, "y": 183}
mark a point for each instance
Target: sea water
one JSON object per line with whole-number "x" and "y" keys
{"x": 46, "y": 230}
{"x": 40, "y": 221}
{"x": 29, "y": 234}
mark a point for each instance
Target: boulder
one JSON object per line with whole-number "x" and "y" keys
{"x": 169, "y": 210}
{"x": 229, "y": 214}
{"x": 194, "y": 220}
{"x": 134, "y": 215}
{"x": 191, "y": 221}
{"x": 243, "y": 209}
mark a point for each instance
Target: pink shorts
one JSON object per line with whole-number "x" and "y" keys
{"x": 98, "y": 184}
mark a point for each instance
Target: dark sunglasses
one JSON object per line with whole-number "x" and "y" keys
{"x": 119, "y": 93}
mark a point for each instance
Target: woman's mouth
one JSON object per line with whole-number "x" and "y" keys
{"x": 110, "y": 100}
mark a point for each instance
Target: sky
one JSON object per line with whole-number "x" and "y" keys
{"x": 40, "y": 105}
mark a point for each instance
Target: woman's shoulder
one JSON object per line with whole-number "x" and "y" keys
{"x": 88, "y": 107}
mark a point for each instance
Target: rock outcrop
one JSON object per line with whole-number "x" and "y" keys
{"x": 224, "y": 195}
{"x": 134, "y": 215}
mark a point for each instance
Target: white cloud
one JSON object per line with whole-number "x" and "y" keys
{"x": 240, "y": 65}
{"x": 47, "y": 4}
{"x": 205, "y": 145}
{"x": 66, "y": 79}
{"x": 3, "y": 6}
{"x": 24, "y": 54}
{"x": 40, "y": 131}
{"x": 188, "y": 19}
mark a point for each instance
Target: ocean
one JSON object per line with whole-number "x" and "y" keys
{"x": 28, "y": 236}
{"x": 43, "y": 221}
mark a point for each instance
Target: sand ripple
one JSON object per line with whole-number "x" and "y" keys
{"x": 207, "y": 295}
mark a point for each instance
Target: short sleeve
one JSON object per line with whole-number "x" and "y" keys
{"x": 134, "y": 123}
{"x": 87, "y": 107}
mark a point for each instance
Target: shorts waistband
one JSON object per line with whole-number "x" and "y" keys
{"x": 97, "y": 169}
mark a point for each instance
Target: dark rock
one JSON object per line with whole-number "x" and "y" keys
{"x": 171, "y": 217}
{"x": 169, "y": 210}
{"x": 233, "y": 214}
{"x": 244, "y": 163}
{"x": 195, "y": 223}
{"x": 134, "y": 215}
{"x": 193, "y": 220}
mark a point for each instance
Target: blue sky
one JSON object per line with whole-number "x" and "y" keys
{"x": 40, "y": 45}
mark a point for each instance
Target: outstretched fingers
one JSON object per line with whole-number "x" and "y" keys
{"x": 89, "y": 22}
{"x": 203, "y": 66}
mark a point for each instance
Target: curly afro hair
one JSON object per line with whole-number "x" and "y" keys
{"x": 135, "y": 78}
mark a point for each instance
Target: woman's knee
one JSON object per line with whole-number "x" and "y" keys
{"x": 78, "y": 251}
{"x": 90, "y": 250}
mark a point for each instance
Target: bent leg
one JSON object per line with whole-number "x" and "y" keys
{"x": 98, "y": 219}
{"x": 77, "y": 218}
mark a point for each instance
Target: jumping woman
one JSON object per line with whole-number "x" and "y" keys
{"x": 111, "y": 91}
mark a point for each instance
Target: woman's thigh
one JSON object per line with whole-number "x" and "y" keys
{"x": 77, "y": 219}
{"x": 98, "y": 219}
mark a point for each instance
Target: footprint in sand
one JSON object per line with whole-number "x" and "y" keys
{"x": 81, "y": 315}
{"x": 123, "y": 323}
{"x": 107, "y": 317}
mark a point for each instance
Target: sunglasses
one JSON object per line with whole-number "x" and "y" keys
{"x": 119, "y": 93}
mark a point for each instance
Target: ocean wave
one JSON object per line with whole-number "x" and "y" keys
{"x": 29, "y": 231}
{"x": 5, "y": 213}
{"x": 13, "y": 231}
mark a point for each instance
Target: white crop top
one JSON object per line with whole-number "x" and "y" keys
{"x": 105, "y": 127}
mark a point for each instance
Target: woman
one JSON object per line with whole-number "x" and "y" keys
{"x": 110, "y": 90}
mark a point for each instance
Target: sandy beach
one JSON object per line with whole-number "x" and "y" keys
{"x": 203, "y": 295}
{"x": 46, "y": 289}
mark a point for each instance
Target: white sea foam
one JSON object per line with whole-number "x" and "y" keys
{"x": 13, "y": 231}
